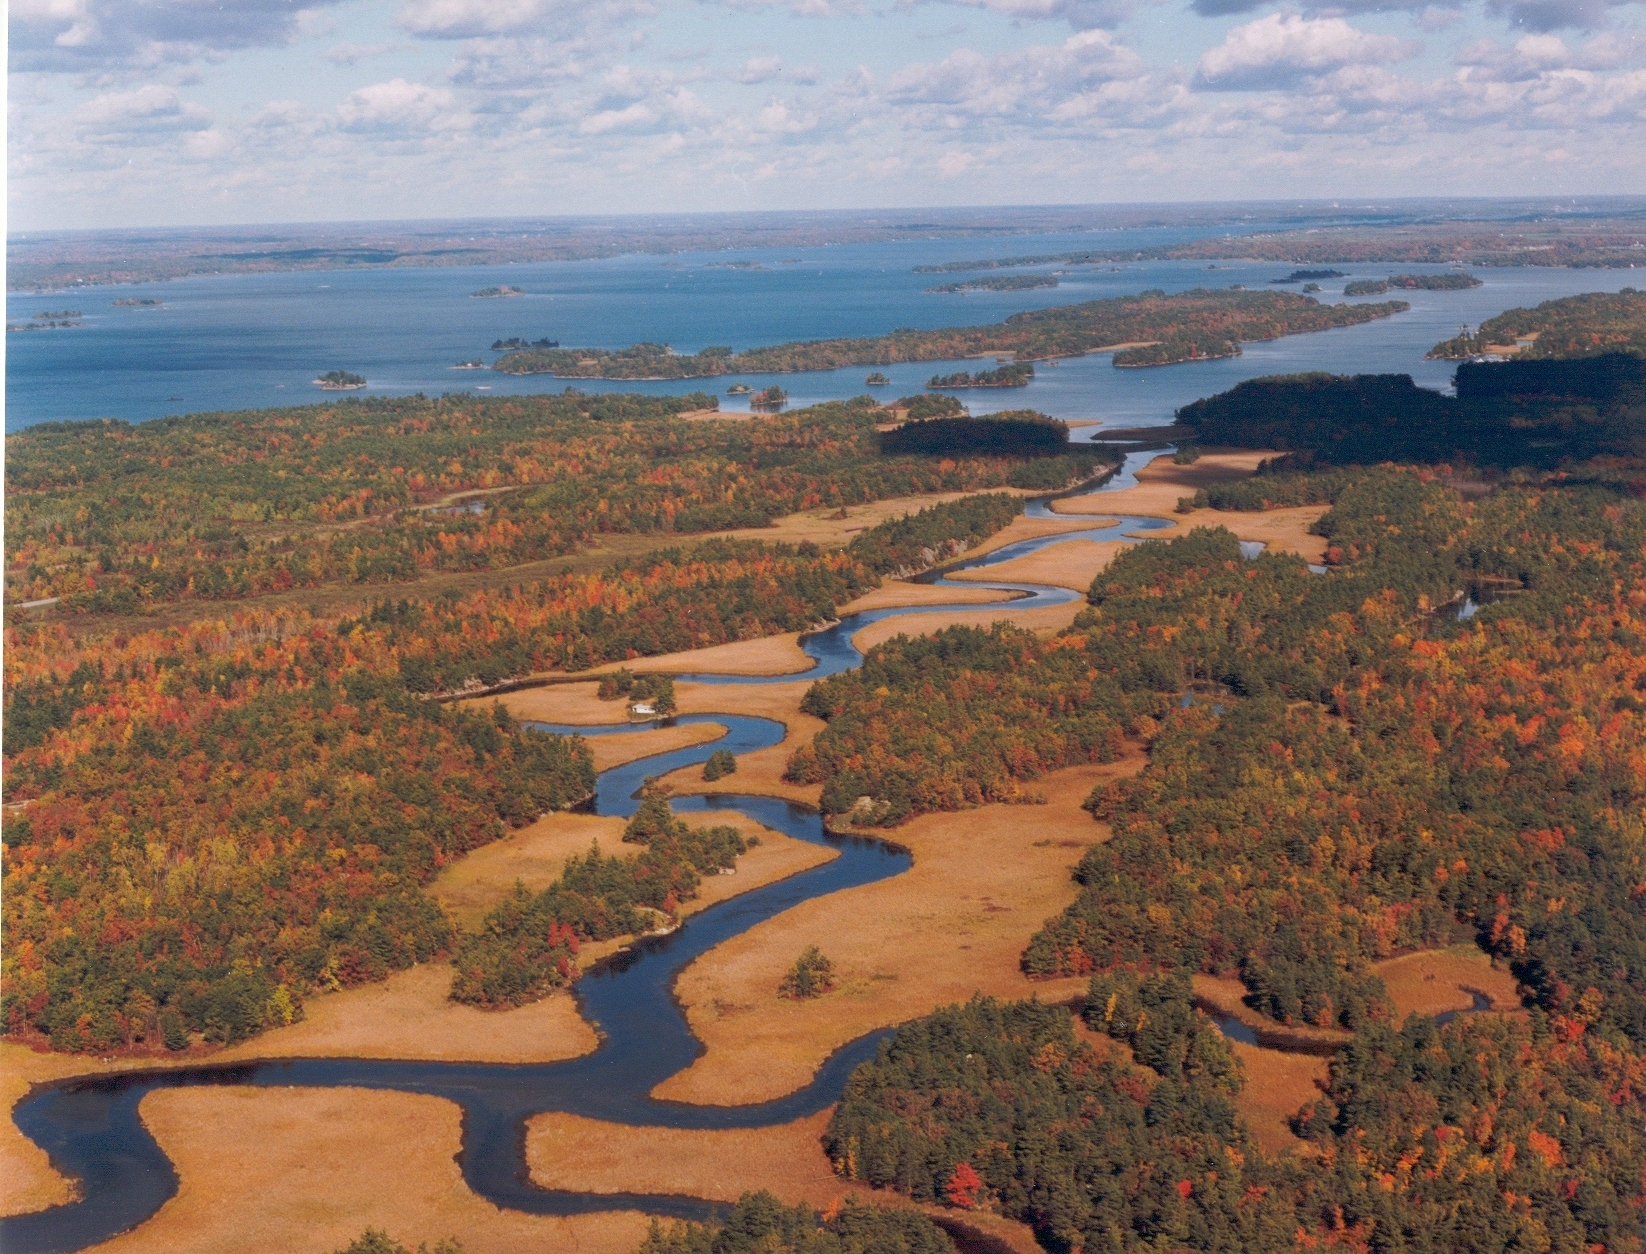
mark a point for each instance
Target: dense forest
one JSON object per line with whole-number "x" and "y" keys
{"x": 206, "y": 823}
{"x": 121, "y": 517}
{"x": 1003, "y": 283}
{"x": 1520, "y": 413}
{"x": 1367, "y": 776}
{"x": 1340, "y": 770}
{"x": 1193, "y": 319}
{"x": 1487, "y": 1136}
{"x": 1572, "y": 326}
{"x": 1016, "y": 432}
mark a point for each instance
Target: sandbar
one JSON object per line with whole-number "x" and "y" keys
{"x": 955, "y": 924}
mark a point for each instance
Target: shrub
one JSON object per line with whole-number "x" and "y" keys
{"x": 721, "y": 763}
{"x": 811, "y": 976}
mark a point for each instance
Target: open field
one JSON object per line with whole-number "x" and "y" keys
{"x": 28, "y": 1181}
{"x": 587, "y": 1155}
{"x": 1277, "y": 1083}
{"x": 409, "y": 1016}
{"x": 621, "y": 747}
{"x": 825, "y": 527}
{"x": 1437, "y": 980}
{"x": 1162, "y": 482}
{"x": 304, "y": 1171}
{"x": 1046, "y": 620}
{"x": 898, "y": 594}
{"x": 1071, "y": 564}
{"x": 956, "y": 923}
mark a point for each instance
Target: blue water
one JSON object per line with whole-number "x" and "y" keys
{"x": 229, "y": 342}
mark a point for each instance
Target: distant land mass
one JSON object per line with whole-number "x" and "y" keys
{"x": 1149, "y": 329}
{"x": 1303, "y": 276}
{"x": 1616, "y": 240}
{"x": 502, "y": 290}
{"x": 1522, "y": 232}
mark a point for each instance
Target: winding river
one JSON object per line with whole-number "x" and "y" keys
{"x": 92, "y": 1130}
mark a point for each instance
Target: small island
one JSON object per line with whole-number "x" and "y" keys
{"x": 474, "y": 364}
{"x": 517, "y": 345}
{"x": 1004, "y": 283}
{"x": 733, "y": 265}
{"x": 1012, "y": 375}
{"x": 876, "y": 380}
{"x": 57, "y": 315}
{"x": 1303, "y": 276}
{"x": 1310, "y": 288}
{"x": 495, "y": 293}
{"x": 1411, "y": 282}
{"x": 770, "y": 400}
{"x": 50, "y": 320}
{"x": 138, "y": 302}
{"x": 739, "y": 389}
{"x": 340, "y": 381}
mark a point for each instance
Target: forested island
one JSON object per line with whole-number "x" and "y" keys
{"x": 137, "y": 302}
{"x": 340, "y": 381}
{"x": 1011, "y": 375}
{"x": 1572, "y": 326}
{"x": 1004, "y": 283}
{"x": 491, "y": 293}
{"x": 516, "y": 344}
{"x": 1150, "y": 328}
{"x": 1411, "y": 282}
{"x": 1304, "y": 276}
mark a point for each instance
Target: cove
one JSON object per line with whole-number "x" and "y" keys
{"x": 92, "y": 1130}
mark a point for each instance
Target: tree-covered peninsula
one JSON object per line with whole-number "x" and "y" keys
{"x": 1186, "y": 326}
{"x": 1572, "y": 326}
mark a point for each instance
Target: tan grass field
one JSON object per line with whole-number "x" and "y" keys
{"x": 1162, "y": 482}
{"x": 1047, "y": 620}
{"x": 1071, "y": 564}
{"x": 305, "y": 1171}
{"x": 28, "y": 1181}
{"x": 982, "y": 883}
{"x": 1437, "y": 980}
{"x": 569, "y": 1152}
{"x": 1277, "y": 1084}
{"x": 825, "y": 528}
{"x": 897, "y": 594}
{"x": 621, "y": 747}
{"x": 409, "y": 1016}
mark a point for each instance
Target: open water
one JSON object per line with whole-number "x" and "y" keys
{"x": 246, "y": 341}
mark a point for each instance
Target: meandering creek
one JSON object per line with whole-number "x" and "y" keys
{"x": 92, "y": 1130}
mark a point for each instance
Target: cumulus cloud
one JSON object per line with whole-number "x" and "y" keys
{"x": 1534, "y": 15}
{"x": 1029, "y": 84}
{"x": 470, "y": 19}
{"x": 394, "y": 106}
{"x": 1081, "y": 14}
{"x": 661, "y": 111}
{"x": 1277, "y": 51}
{"x": 518, "y": 64}
{"x": 759, "y": 70}
{"x": 353, "y": 54}
{"x": 147, "y": 111}
{"x": 101, "y": 36}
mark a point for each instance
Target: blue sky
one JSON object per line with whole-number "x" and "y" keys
{"x": 171, "y": 112}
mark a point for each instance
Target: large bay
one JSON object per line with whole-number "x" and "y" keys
{"x": 245, "y": 341}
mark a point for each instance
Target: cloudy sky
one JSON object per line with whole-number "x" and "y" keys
{"x": 170, "y": 112}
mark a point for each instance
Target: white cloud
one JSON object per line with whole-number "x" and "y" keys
{"x": 759, "y": 70}
{"x": 1029, "y": 84}
{"x": 147, "y": 110}
{"x": 1081, "y": 14}
{"x": 1276, "y": 51}
{"x": 469, "y": 19}
{"x": 394, "y": 106}
{"x": 519, "y": 64}
{"x": 99, "y": 36}
{"x": 353, "y": 54}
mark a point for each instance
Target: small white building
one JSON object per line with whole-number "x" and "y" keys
{"x": 644, "y": 708}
